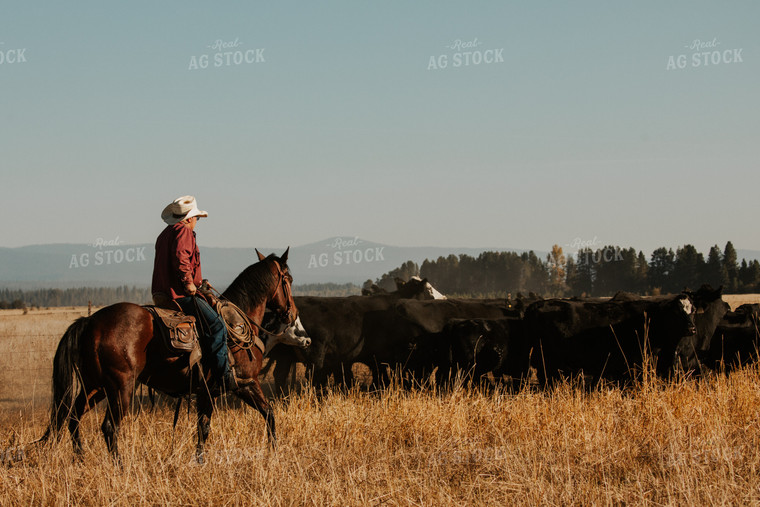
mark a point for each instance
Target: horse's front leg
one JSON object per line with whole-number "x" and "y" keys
{"x": 205, "y": 409}
{"x": 254, "y": 396}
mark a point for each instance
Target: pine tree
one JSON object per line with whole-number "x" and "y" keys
{"x": 730, "y": 269}
{"x": 583, "y": 285}
{"x": 555, "y": 263}
{"x": 713, "y": 269}
{"x": 689, "y": 266}
{"x": 661, "y": 267}
{"x": 642, "y": 274}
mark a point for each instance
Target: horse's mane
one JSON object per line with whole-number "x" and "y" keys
{"x": 251, "y": 287}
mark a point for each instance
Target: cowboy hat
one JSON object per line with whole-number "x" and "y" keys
{"x": 181, "y": 209}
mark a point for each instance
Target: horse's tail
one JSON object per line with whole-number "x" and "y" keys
{"x": 64, "y": 382}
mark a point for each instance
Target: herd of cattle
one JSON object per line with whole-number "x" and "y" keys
{"x": 419, "y": 332}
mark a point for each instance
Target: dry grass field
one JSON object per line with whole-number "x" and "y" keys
{"x": 739, "y": 299}
{"x": 685, "y": 442}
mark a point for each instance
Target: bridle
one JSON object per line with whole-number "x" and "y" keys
{"x": 284, "y": 280}
{"x": 284, "y": 316}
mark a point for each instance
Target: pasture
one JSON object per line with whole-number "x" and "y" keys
{"x": 678, "y": 442}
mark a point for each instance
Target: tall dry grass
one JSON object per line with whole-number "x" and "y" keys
{"x": 687, "y": 442}
{"x": 27, "y": 346}
{"x": 681, "y": 442}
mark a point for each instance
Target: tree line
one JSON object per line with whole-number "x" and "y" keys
{"x": 589, "y": 272}
{"x": 104, "y": 296}
{"x": 327, "y": 289}
{"x": 81, "y": 296}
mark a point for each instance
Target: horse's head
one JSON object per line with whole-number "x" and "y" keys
{"x": 281, "y": 300}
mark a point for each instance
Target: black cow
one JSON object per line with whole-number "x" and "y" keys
{"x": 411, "y": 335}
{"x": 336, "y": 328}
{"x": 608, "y": 339}
{"x": 474, "y": 347}
{"x": 710, "y": 309}
{"x": 514, "y": 308}
{"x": 736, "y": 339}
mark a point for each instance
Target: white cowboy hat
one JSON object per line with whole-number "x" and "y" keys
{"x": 181, "y": 209}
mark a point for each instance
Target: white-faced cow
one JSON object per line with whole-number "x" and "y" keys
{"x": 710, "y": 309}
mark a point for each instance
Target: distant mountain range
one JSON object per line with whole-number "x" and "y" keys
{"x": 337, "y": 260}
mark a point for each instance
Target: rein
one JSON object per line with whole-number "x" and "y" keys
{"x": 243, "y": 339}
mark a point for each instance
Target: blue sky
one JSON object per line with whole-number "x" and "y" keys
{"x": 580, "y": 132}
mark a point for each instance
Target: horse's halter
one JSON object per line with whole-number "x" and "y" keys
{"x": 284, "y": 279}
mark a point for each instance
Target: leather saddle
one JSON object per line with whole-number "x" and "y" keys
{"x": 178, "y": 330}
{"x": 180, "y": 333}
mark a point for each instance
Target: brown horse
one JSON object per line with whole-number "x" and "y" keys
{"x": 116, "y": 348}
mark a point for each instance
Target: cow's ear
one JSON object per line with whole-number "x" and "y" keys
{"x": 284, "y": 257}
{"x": 261, "y": 256}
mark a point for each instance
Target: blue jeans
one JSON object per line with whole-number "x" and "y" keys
{"x": 213, "y": 333}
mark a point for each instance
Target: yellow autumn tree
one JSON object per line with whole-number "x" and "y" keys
{"x": 556, "y": 263}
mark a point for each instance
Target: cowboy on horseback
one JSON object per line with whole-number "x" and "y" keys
{"x": 177, "y": 278}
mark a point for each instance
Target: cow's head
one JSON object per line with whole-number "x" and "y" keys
{"x": 418, "y": 288}
{"x": 684, "y": 315}
{"x": 710, "y": 308}
{"x": 294, "y": 335}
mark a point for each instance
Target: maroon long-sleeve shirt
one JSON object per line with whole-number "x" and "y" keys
{"x": 177, "y": 262}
